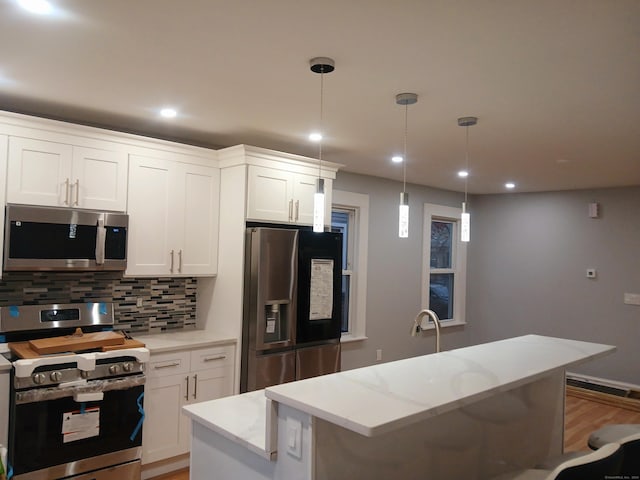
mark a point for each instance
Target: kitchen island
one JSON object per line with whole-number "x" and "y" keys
{"x": 474, "y": 412}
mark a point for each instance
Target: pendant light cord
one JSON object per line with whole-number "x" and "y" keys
{"x": 466, "y": 163}
{"x": 321, "y": 121}
{"x": 404, "y": 160}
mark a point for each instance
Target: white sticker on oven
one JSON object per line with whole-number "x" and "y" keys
{"x": 78, "y": 424}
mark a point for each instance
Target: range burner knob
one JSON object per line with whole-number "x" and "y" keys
{"x": 55, "y": 376}
{"x": 127, "y": 366}
{"x": 114, "y": 369}
{"x": 38, "y": 378}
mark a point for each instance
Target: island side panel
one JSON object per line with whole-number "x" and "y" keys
{"x": 510, "y": 430}
{"x": 215, "y": 457}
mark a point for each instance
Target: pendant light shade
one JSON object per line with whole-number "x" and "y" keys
{"x": 320, "y": 65}
{"x": 465, "y": 218}
{"x": 405, "y": 99}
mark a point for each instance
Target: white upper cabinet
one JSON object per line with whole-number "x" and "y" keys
{"x": 281, "y": 196}
{"x": 279, "y": 186}
{"x": 42, "y": 172}
{"x": 173, "y": 225}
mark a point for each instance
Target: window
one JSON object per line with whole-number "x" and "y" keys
{"x": 444, "y": 264}
{"x": 350, "y": 216}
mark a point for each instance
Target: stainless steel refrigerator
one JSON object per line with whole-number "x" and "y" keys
{"x": 292, "y": 306}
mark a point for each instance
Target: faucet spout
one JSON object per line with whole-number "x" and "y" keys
{"x": 417, "y": 325}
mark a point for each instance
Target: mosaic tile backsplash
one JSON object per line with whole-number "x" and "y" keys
{"x": 167, "y": 303}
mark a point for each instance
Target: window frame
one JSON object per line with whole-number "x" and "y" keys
{"x": 459, "y": 262}
{"x": 357, "y": 248}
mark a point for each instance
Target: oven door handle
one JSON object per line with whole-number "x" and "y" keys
{"x": 81, "y": 397}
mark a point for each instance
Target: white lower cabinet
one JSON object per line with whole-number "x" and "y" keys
{"x": 176, "y": 379}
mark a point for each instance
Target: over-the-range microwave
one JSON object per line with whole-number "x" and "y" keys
{"x": 49, "y": 238}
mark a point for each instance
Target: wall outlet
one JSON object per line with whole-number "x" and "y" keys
{"x": 379, "y": 354}
{"x": 294, "y": 437}
{"x": 139, "y": 302}
{"x": 632, "y": 298}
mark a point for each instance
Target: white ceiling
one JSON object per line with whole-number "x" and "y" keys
{"x": 555, "y": 83}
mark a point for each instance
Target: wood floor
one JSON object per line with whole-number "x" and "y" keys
{"x": 584, "y": 413}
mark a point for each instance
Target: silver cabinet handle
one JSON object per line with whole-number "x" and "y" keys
{"x": 66, "y": 194}
{"x": 290, "y": 209}
{"x": 216, "y": 357}
{"x": 180, "y": 261}
{"x": 195, "y": 386}
{"x": 166, "y": 365}
{"x": 171, "y": 266}
{"x": 186, "y": 397}
{"x": 77, "y": 191}
{"x": 297, "y": 209}
{"x": 101, "y": 240}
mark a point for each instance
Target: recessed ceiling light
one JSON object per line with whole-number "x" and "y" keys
{"x": 463, "y": 174}
{"x": 40, "y": 7}
{"x": 315, "y": 136}
{"x": 397, "y": 159}
{"x": 510, "y": 185}
{"x": 168, "y": 112}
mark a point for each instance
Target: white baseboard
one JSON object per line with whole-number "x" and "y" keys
{"x": 603, "y": 381}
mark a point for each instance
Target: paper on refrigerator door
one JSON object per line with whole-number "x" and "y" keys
{"x": 321, "y": 297}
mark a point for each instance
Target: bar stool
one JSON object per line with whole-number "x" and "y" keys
{"x": 596, "y": 465}
{"x": 630, "y": 446}
{"x": 612, "y": 433}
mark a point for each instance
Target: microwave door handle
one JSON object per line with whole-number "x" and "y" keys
{"x": 101, "y": 237}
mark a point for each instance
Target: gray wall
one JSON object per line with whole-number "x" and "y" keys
{"x": 394, "y": 273}
{"x": 527, "y": 265}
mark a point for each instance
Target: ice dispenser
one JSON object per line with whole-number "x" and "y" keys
{"x": 276, "y": 326}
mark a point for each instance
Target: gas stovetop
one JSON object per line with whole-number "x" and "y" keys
{"x": 23, "y": 323}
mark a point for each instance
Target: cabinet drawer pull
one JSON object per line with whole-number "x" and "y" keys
{"x": 211, "y": 359}
{"x": 166, "y": 365}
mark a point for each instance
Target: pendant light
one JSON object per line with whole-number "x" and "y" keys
{"x": 465, "y": 219}
{"x": 320, "y": 65}
{"x": 405, "y": 99}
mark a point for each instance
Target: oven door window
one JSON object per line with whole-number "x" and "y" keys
{"x": 37, "y": 440}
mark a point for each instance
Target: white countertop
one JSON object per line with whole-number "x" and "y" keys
{"x": 241, "y": 418}
{"x": 380, "y": 398}
{"x": 182, "y": 339}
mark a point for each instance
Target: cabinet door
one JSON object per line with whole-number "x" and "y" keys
{"x": 212, "y": 383}
{"x": 150, "y": 195}
{"x": 198, "y": 198}
{"x": 165, "y": 431}
{"x": 304, "y": 189}
{"x": 269, "y": 195}
{"x": 39, "y": 172}
{"x": 99, "y": 179}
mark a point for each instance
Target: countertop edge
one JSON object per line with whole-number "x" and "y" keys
{"x": 175, "y": 341}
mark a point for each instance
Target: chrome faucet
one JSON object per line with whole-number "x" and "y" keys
{"x": 417, "y": 325}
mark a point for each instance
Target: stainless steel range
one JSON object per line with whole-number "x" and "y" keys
{"x": 72, "y": 415}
